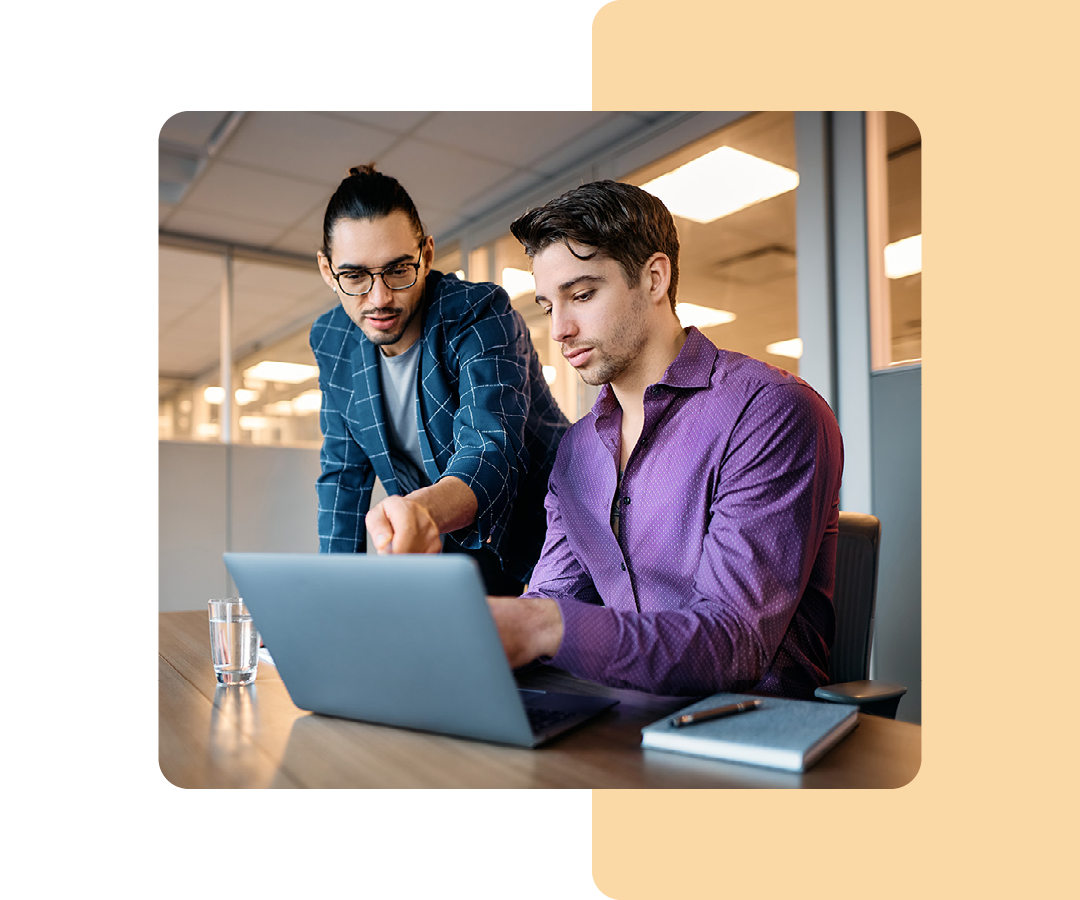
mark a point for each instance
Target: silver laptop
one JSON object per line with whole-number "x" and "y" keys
{"x": 398, "y": 640}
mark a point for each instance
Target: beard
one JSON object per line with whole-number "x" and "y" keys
{"x": 612, "y": 357}
{"x": 606, "y": 367}
{"x": 387, "y": 338}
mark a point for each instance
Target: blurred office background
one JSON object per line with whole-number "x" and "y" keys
{"x": 801, "y": 245}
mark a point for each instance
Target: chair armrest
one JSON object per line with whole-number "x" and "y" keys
{"x": 879, "y": 698}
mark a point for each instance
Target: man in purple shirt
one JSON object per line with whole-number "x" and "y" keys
{"x": 692, "y": 514}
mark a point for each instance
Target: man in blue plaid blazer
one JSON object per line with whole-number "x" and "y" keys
{"x": 431, "y": 384}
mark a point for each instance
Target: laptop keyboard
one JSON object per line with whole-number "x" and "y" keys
{"x": 542, "y": 719}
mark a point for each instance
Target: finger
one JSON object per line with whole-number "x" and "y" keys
{"x": 401, "y": 518}
{"x": 408, "y": 538}
{"x": 381, "y": 529}
{"x": 412, "y": 526}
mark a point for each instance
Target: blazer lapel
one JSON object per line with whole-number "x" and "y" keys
{"x": 431, "y": 465}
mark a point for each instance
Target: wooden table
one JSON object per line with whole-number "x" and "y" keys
{"x": 211, "y": 736}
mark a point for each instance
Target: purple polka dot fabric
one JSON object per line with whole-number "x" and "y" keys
{"x": 721, "y": 574}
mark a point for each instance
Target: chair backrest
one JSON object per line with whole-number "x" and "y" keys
{"x": 854, "y": 596}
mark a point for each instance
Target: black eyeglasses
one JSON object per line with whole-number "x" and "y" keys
{"x": 397, "y": 277}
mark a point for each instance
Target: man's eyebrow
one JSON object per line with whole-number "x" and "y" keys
{"x": 573, "y": 282}
{"x": 405, "y": 257}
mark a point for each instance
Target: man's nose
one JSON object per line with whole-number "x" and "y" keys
{"x": 379, "y": 295}
{"x": 563, "y": 326}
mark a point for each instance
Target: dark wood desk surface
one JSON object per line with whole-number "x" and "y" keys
{"x": 213, "y": 736}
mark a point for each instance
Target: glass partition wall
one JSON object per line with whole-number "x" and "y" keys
{"x": 273, "y": 374}
{"x": 894, "y": 238}
{"x": 733, "y": 197}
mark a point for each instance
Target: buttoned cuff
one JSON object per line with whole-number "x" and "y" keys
{"x": 589, "y": 631}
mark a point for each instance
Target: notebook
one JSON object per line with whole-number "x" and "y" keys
{"x": 781, "y": 734}
{"x": 403, "y": 640}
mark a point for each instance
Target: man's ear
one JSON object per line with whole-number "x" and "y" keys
{"x": 428, "y": 254}
{"x": 324, "y": 270}
{"x": 658, "y": 277}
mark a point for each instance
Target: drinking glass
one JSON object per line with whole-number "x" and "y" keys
{"x": 234, "y": 642}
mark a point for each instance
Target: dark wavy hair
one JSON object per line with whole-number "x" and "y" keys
{"x": 622, "y": 222}
{"x": 367, "y": 194}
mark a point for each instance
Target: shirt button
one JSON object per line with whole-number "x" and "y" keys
{"x": 626, "y": 501}
{"x": 622, "y": 566}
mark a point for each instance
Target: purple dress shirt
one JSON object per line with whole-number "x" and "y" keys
{"x": 721, "y": 575}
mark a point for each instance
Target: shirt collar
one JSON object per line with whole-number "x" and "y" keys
{"x": 692, "y": 368}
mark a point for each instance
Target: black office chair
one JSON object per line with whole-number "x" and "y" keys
{"x": 854, "y": 597}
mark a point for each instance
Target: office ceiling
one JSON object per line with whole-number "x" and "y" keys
{"x": 262, "y": 180}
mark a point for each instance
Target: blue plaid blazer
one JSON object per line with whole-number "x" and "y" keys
{"x": 483, "y": 410}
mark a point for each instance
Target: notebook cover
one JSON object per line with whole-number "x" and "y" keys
{"x": 780, "y": 734}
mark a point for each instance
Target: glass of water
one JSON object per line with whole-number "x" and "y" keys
{"x": 234, "y": 642}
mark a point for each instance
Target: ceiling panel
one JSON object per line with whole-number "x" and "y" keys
{"x": 304, "y": 238}
{"x": 299, "y": 144}
{"x": 251, "y": 195}
{"x": 223, "y": 227}
{"x": 455, "y": 179}
{"x": 192, "y": 129}
{"x": 607, "y": 129}
{"x": 396, "y": 121}
{"x": 521, "y": 140}
{"x": 499, "y": 193}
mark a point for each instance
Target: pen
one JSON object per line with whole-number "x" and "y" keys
{"x": 706, "y": 715}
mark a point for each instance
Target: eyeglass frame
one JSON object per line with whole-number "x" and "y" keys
{"x": 381, "y": 273}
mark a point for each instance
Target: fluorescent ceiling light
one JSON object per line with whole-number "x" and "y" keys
{"x": 518, "y": 282}
{"x": 214, "y": 395}
{"x": 244, "y": 396}
{"x": 284, "y": 372}
{"x": 702, "y": 316}
{"x": 719, "y": 183}
{"x": 791, "y": 348}
{"x": 208, "y": 429}
{"x": 460, "y": 274}
{"x": 279, "y": 408}
{"x": 309, "y": 401}
{"x": 549, "y": 374}
{"x": 253, "y": 423}
{"x": 904, "y": 257}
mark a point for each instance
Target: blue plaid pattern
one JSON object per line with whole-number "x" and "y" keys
{"x": 484, "y": 412}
